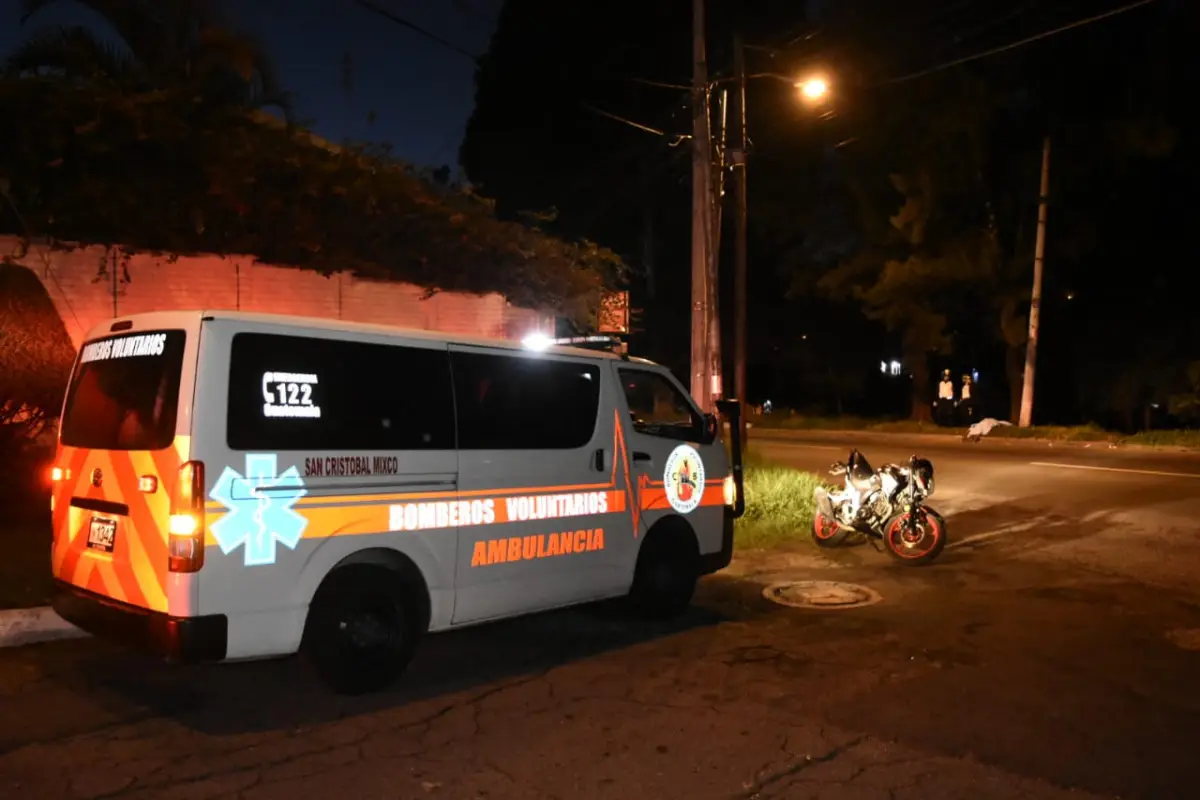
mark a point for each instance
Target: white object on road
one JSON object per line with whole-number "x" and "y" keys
{"x": 21, "y": 626}
{"x": 984, "y": 427}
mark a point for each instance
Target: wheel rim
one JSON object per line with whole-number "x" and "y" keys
{"x": 909, "y": 544}
{"x": 371, "y": 627}
{"x": 825, "y": 527}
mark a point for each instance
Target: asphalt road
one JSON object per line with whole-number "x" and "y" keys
{"x": 1051, "y": 653}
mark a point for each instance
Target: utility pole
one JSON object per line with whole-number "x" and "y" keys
{"x": 715, "y": 360}
{"x": 1035, "y": 305}
{"x": 701, "y": 384}
{"x": 737, "y": 159}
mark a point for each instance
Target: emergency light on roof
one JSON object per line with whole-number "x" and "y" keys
{"x": 539, "y": 341}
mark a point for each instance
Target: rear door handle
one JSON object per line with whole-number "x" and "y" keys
{"x": 640, "y": 456}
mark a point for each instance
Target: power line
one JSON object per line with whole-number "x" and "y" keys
{"x": 638, "y": 125}
{"x": 383, "y": 12}
{"x": 660, "y": 84}
{"x": 1020, "y": 43}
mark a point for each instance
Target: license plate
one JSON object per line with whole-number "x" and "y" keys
{"x": 102, "y": 535}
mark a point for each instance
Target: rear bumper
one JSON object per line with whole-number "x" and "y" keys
{"x": 714, "y": 562}
{"x": 184, "y": 640}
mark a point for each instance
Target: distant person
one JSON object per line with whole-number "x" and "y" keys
{"x": 766, "y": 407}
{"x": 943, "y": 407}
{"x": 966, "y": 401}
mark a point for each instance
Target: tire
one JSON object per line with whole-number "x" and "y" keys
{"x": 664, "y": 581}
{"x": 362, "y": 629}
{"x": 933, "y": 528}
{"x": 827, "y": 533}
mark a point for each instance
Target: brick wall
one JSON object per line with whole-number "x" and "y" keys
{"x": 84, "y": 298}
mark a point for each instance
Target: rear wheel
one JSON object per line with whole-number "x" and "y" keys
{"x": 668, "y": 568}
{"x": 915, "y": 545}
{"x": 362, "y": 628}
{"x": 828, "y": 533}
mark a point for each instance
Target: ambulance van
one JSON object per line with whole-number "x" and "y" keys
{"x": 234, "y": 486}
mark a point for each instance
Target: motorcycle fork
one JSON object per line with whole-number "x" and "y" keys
{"x": 915, "y": 511}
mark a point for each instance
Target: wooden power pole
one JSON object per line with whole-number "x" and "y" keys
{"x": 1035, "y": 305}
{"x": 702, "y": 187}
{"x": 737, "y": 159}
{"x": 715, "y": 360}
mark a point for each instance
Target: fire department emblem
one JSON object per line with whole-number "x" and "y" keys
{"x": 683, "y": 479}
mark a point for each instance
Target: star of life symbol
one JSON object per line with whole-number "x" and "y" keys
{"x": 261, "y": 516}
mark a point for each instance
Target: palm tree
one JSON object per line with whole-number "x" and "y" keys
{"x": 161, "y": 45}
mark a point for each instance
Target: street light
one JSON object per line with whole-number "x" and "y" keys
{"x": 813, "y": 88}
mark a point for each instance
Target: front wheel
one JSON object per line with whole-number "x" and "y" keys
{"x": 665, "y": 578}
{"x": 916, "y": 545}
{"x": 826, "y": 532}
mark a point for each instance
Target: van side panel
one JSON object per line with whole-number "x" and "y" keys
{"x": 285, "y": 509}
{"x": 539, "y": 442}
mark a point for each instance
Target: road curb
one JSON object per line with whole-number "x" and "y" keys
{"x": 22, "y": 626}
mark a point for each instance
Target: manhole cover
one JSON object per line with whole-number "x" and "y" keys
{"x": 821, "y": 594}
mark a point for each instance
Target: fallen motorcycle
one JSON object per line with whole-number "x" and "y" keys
{"x": 886, "y": 504}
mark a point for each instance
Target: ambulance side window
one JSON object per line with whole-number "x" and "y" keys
{"x": 310, "y": 393}
{"x": 658, "y": 408}
{"x": 510, "y": 402}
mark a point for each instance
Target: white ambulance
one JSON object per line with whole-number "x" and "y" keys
{"x": 235, "y": 486}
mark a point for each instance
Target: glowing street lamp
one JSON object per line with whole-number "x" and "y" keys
{"x": 814, "y": 88}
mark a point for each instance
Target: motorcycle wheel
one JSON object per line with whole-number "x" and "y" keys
{"x": 826, "y": 532}
{"x": 919, "y": 551}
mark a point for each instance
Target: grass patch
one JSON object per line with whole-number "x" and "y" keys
{"x": 1054, "y": 433}
{"x": 1184, "y": 438}
{"x": 779, "y": 504}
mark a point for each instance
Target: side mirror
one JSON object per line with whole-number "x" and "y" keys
{"x": 712, "y": 426}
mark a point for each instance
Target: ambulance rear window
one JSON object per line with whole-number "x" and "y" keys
{"x": 124, "y": 394}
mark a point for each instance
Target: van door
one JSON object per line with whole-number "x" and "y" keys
{"x": 537, "y": 442}
{"x": 122, "y": 441}
{"x": 673, "y": 473}
{"x": 319, "y": 444}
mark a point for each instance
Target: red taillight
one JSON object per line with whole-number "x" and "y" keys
{"x": 185, "y": 532}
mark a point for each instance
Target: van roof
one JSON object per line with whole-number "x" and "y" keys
{"x": 324, "y": 324}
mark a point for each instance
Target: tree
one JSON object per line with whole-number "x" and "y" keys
{"x": 925, "y": 239}
{"x": 1185, "y": 404}
{"x": 543, "y": 138}
{"x": 162, "y": 172}
{"x": 35, "y": 354}
{"x": 164, "y": 44}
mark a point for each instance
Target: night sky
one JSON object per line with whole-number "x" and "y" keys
{"x": 1114, "y": 95}
{"x": 420, "y": 91}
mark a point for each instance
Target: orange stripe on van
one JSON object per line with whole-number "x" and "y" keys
{"x": 136, "y": 571}
{"x": 350, "y": 514}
